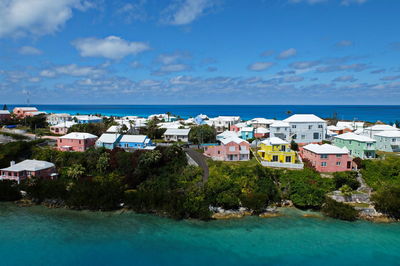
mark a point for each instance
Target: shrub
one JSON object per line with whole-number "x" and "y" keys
{"x": 9, "y": 190}
{"x": 339, "y": 210}
{"x": 346, "y": 178}
{"x": 387, "y": 201}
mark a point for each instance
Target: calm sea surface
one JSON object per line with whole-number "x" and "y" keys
{"x": 349, "y": 112}
{"x": 40, "y": 236}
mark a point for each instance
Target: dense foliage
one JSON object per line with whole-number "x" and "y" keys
{"x": 9, "y": 190}
{"x": 387, "y": 200}
{"x": 91, "y": 128}
{"x": 152, "y": 130}
{"x": 16, "y": 151}
{"x": 339, "y": 210}
{"x": 202, "y": 134}
{"x": 346, "y": 178}
{"x": 382, "y": 173}
{"x": 34, "y": 122}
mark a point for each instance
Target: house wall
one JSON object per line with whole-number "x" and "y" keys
{"x": 388, "y": 144}
{"x": 20, "y": 113}
{"x": 344, "y": 160}
{"x": 360, "y": 149}
{"x": 247, "y": 135}
{"x": 229, "y": 152}
{"x": 267, "y": 153}
{"x": 280, "y": 132}
{"x": 22, "y": 175}
{"x": 183, "y": 138}
{"x": 76, "y": 144}
{"x": 59, "y": 130}
{"x": 304, "y": 132}
{"x": 4, "y": 117}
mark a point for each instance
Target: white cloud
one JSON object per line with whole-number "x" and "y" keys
{"x": 304, "y": 64}
{"x": 344, "y": 43}
{"x": 167, "y": 59}
{"x": 36, "y": 17}
{"x": 287, "y": 53}
{"x": 111, "y": 47}
{"x": 260, "y": 66}
{"x": 348, "y": 78}
{"x": 72, "y": 70}
{"x": 349, "y": 2}
{"x": 166, "y": 69}
{"x": 184, "y": 12}
{"x": 47, "y": 73}
{"x": 29, "y": 50}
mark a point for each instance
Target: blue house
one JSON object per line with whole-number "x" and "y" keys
{"x": 135, "y": 142}
{"x": 246, "y": 133}
{"x": 108, "y": 141}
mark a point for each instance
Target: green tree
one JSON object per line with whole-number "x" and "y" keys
{"x": 5, "y": 107}
{"x": 75, "y": 171}
{"x": 202, "y": 134}
{"x": 103, "y": 163}
{"x": 294, "y": 146}
{"x": 387, "y": 201}
{"x": 339, "y": 210}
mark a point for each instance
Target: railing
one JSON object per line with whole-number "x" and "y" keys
{"x": 283, "y": 165}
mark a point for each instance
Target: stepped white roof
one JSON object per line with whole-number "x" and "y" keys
{"x": 108, "y": 138}
{"x": 134, "y": 138}
{"x": 241, "y": 125}
{"x": 274, "y": 141}
{"x": 227, "y": 134}
{"x": 66, "y": 124}
{"x": 382, "y": 128}
{"x": 280, "y": 124}
{"x": 29, "y": 165}
{"x": 177, "y": 131}
{"x": 303, "y": 118}
{"x": 352, "y": 136}
{"x": 261, "y": 130}
{"x": 233, "y": 139}
{"x": 247, "y": 129}
{"x": 87, "y": 117}
{"x": 325, "y": 149}
{"x": 260, "y": 120}
{"x": 389, "y": 134}
{"x": 78, "y": 135}
{"x": 27, "y": 108}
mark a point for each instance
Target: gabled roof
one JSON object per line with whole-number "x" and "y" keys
{"x": 325, "y": 149}
{"x": 274, "y": 141}
{"x": 389, "y": 134}
{"x": 78, "y": 135}
{"x": 352, "y": 136}
{"x": 108, "y": 138}
{"x": 261, "y": 130}
{"x": 233, "y": 139}
{"x": 280, "y": 124}
{"x": 303, "y": 118}
{"x": 29, "y": 165}
{"x": 227, "y": 134}
{"x": 382, "y": 128}
{"x": 261, "y": 120}
{"x": 133, "y": 138}
{"x": 177, "y": 131}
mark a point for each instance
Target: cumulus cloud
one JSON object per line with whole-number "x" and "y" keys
{"x": 304, "y": 64}
{"x": 167, "y": 69}
{"x": 348, "y": 78}
{"x": 344, "y": 43}
{"x": 287, "y": 53}
{"x": 183, "y": 12}
{"x": 111, "y": 47}
{"x": 72, "y": 70}
{"x": 335, "y": 68}
{"x": 29, "y": 50}
{"x": 260, "y": 66}
{"x": 36, "y": 17}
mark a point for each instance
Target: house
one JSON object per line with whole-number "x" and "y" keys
{"x": 86, "y": 119}
{"x": 227, "y": 134}
{"x": 246, "y": 133}
{"x": 5, "y": 115}
{"x": 352, "y": 125}
{"x": 327, "y": 158}
{"x": 306, "y": 128}
{"x": 261, "y": 132}
{"x": 167, "y": 125}
{"x": 163, "y": 117}
{"x": 237, "y": 127}
{"x": 108, "y": 141}
{"x": 133, "y": 142}
{"x": 55, "y": 119}
{"x": 388, "y": 141}
{"x": 278, "y": 150}
{"x": 222, "y": 123}
{"x": 118, "y": 129}
{"x": 76, "y": 141}
{"x": 280, "y": 129}
{"x": 379, "y": 128}
{"x": 338, "y": 130}
{"x": 28, "y": 169}
{"x": 231, "y": 149}
{"x": 62, "y": 128}
{"x": 358, "y": 145}
{"x": 22, "y": 112}
{"x": 176, "y": 134}
{"x": 261, "y": 122}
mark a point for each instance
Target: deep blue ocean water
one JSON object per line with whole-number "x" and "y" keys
{"x": 369, "y": 113}
{"x": 41, "y": 236}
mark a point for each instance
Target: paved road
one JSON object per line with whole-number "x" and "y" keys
{"x": 200, "y": 160}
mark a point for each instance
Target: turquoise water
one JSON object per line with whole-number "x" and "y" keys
{"x": 40, "y": 236}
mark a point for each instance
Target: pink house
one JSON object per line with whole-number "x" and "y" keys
{"x": 231, "y": 149}
{"x": 237, "y": 127}
{"x": 327, "y": 158}
{"x": 28, "y": 169}
{"x": 5, "y": 115}
{"x": 76, "y": 141}
{"x": 62, "y": 128}
{"x": 261, "y": 132}
{"x": 22, "y": 112}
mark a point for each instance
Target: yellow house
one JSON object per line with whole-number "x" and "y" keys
{"x": 276, "y": 150}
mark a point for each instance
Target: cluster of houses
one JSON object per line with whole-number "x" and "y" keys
{"x": 328, "y": 148}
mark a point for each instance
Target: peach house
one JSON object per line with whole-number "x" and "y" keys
{"x": 22, "y": 112}
{"x": 76, "y": 141}
{"x": 28, "y": 169}
{"x": 231, "y": 149}
{"x": 327, "y": 158}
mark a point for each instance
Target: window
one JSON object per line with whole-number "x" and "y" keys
{"x": 283, "y": 148}
{"x": 338, "y": 163}
{"x": 294, "y": 136}
{"x": 275, "y": 158}
{"x": 309, "y": 126}
{"x": 320, "y": 126}
{"x": 324, "y": 156}
{"x": 316, "y": 135}
{"x": 231, "y": 148}
{"x": 219, "y": 152}
{"x": 323, "y": 164}
{"x": 243, "y": 148}
{"x": 293, "y": 126}
{"x": 303, "y": 136}
{"x": 338, "y": 155}
{"x": 393, "y": 140}
{"x": 288, "y": 159}
{"x": 79, "y": 141}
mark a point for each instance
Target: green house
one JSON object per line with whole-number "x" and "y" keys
{"x": 358, "y": 145}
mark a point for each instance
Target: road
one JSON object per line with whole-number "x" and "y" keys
{"x": 200, "y": 160}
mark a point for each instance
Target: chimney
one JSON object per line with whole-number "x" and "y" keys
{"x": 12, "y": 163}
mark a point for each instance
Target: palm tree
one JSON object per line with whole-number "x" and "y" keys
{"x": 168, "y": 114}
{"x": 288, "y": 112}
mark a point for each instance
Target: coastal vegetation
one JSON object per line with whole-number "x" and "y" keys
{"x": 339, "y": 210}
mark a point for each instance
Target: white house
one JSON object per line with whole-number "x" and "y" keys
{"x": 261, "y": 122}
{"x": 306, "y": 128}
{"x": 375, "y": 129}
{"x": 222, "y": 123}
{"x": 227, "y": 134}
{"x": 176, "y": 134}
{"x": 55, "y": 119}
{"x": 388, "y": 141}
{"x": 353, "y": 125}
{"x": 280, "y": 130}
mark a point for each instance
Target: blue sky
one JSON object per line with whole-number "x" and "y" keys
{"x": 200, "y": 51}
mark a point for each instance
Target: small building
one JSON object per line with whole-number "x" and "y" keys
{"x": 388, "y": 141}
{"x": 176, "y": 134}
{"x": 222, "y": 123}
{"x": 163, "y": 117}
{"x": 108, "y": 141}
{"x": 358, "y": 145}
{"x": 376, "y": 129}
{"x": 56, "y": 119}
{"x": 5, "y": 115}
{"x": 134, "y": 142}
{"x": 231, "y": 149}
{"x": 306, "y": 128}
{"x": 76, "y": 141}
{"x": 261, "y": 132}
{"x": 261, "y": 122}
{"x": 237, "y": 127}
{"x": 62, "y": 128}
{"x": 280, "y": 129}
{"x": 278, "y": 150}
{"x": 22, "y": 112}
{"x": 327, "y": 158}
{"x": 246, "y": 133}
{"x": 352, "y": 125}
{"x": 28, "y": 169}
{"x": 227, "y": 134}
{"x": 86, "y": 119}
{"x": 338, "y": 130}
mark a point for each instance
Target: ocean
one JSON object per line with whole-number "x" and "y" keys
{"x": 41, "y": 236}
{"x": 371, "y": 113}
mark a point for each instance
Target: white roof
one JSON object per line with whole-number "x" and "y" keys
{"x": 59, "y": 115}
{"x": 177, "y": 131}
{"x": 304, "y": 118}
{"x": 87, "y": 117}
{"x": 66, "y": 124}
{"x": 108, "y": 138}
{"x": 78, "y": 135}
{"x": 260, "y": 120}
{"x": 240, "y": 125}
{"x": 170, "y": 125}
{"x": 335, "y": 128}
{"x": 227, "y": 134}
{"x": 29, "y": 165}
{"x": 247, "y": 129}
{"x": 4, "y": 112}
{"x": 261, "y": 130}
{"x": 352, "y": 136}
{"x": 232, "y": 139}
{"x": 280, "y": 124}
{"x": 325, "y": 149}
{"x": 133, "y": 138}
{"x": 389, "y": 134}
{"x": 349, "y": 124}
{"x": 382, "y": 128}
{"x": 27, "y": 108}
{"x": 274, "y": 141}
